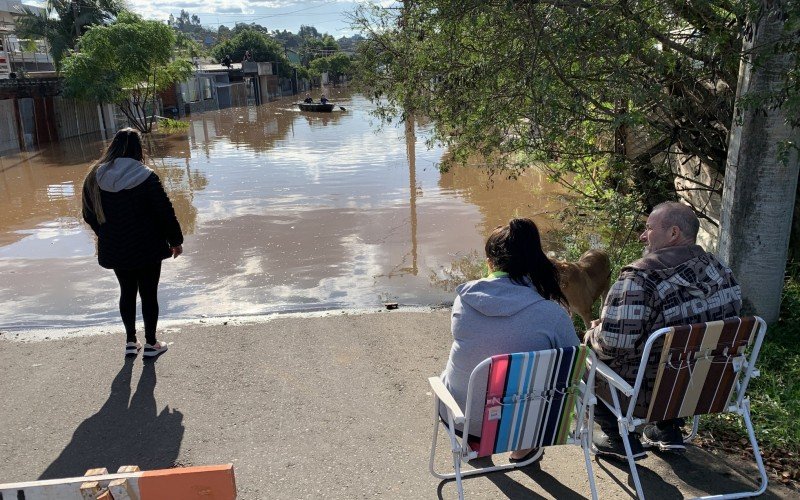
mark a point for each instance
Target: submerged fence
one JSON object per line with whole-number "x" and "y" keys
{"x": 33, "y": 111}
{"x": 77, "y": 117}
{"x": 26, "y": 122}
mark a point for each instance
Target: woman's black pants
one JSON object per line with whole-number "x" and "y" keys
{"x": 144, "y": 281}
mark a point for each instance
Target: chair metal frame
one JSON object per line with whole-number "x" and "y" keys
{"x": 580, "y": 435}
{"x": 744, "y": 368}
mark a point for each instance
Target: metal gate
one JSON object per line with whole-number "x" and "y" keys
{"x": 9, "y": 141}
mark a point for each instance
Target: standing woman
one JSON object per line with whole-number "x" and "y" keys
{"x": 129, "y": 211}
{"x": 518, "y": 308}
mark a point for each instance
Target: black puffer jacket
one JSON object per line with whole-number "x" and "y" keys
{"x": 140, "y": 225}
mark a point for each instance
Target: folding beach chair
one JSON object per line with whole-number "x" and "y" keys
{"x": 533, "y": 399}
{"x": 700, "y": 369}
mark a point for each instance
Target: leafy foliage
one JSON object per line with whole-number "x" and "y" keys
{"x": 125, "y": 63}
{"x": 169, "y": 125}
{"x": 187, "y": 47}
{"x": 317, "y": 46}
{"x": 336, "y": 65}
{"x": 605, "y": 94}
{"x": 63, "y": 21}
{"x": 261, "y": 47}
{"x": 242, "y": 27}
{"x": 185, "y": 22}
{"x": 775, "y": 395}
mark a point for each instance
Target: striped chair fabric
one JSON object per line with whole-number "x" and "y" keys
{"x": 697, "y": 369}
{"x": 530, "y": 399}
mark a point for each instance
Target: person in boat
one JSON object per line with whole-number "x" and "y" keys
{"x": 308, "y": 99}
{"x": 323, "y": 99}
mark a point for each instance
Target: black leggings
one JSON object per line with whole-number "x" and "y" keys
{"x": 143, "y": 280}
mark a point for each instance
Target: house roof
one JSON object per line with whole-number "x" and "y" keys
{"x": 15, "y": 6}
{"x": 218, "y": 67}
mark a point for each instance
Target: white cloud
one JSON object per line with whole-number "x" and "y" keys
{"x": 162, "y": 9}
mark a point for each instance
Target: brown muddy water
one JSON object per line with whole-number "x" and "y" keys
{"x": 282, "y": 211}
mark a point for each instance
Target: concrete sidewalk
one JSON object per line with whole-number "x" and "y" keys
{"x": 320, "y": 407}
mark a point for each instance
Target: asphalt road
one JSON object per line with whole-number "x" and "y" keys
{"x": 334, "y": 406}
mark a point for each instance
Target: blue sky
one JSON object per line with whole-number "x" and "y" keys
{"x": 328, "y": 16}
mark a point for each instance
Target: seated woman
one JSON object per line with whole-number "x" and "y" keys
{"x": 308, "y": 99}
{"x": 518, "y": 308}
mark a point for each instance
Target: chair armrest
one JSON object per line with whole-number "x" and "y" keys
{"x": 611, "y": 376}
{"x": 445, "y": 397}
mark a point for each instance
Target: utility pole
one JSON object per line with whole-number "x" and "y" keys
{"x": 762, "y": 169}
{"x": 76, "y": 9}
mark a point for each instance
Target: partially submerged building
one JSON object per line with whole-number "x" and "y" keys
{"x": 20, "y": 56}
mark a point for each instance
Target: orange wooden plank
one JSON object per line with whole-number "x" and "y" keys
{"x": 210, "y": 482}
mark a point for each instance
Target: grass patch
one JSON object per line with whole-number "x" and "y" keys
{"x": 775, "y": 395}
{"x": 471, "y": 266}
{"x": 169, "y": 125}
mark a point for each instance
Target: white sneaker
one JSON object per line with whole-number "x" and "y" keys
{"x": 157, "y": 349}
{"x": 132, "y": 348}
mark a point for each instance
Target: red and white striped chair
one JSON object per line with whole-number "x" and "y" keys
{"x": 533, "y": 400}
{"x": 699, "y": 369}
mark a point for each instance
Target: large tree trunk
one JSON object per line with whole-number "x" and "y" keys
{"x": 759, "y": 191}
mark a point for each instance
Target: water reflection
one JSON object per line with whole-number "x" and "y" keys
{"x": 283, "y": 210}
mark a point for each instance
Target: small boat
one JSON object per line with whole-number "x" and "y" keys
{"x": 316, "y": 107}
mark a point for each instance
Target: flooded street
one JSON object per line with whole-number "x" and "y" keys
{"x": 282, "y": 211}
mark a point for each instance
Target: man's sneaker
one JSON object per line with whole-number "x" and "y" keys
{"x": 669, "y": 439}
{"x": 612, "y": 445}
{"x": 132, "y": 348}
{"x": 157, "y": 349}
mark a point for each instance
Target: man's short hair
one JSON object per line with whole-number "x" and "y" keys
{"x": 678, "y": 214}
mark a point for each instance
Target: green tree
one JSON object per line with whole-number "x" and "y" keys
{"x": 188, "y": 27}
{"x": 223, "y": 33}
{"x": 62, "y": 22}
{"x": 186, "y": 47}
{"x": 336, "y": 66}
{"x": 185, "y": 22}
{"x": 350, "y": 43}
{"x": 125, "y": 63}
{"x": 322, "y": 46}
{"x": 287, "y": 39}
{"x": 308, "y": 32}
{"x": 241, "y": 27}
{"x": 261, "y": 47}
{"x": 319, "y": 65}
{"x": 615, "y": 94}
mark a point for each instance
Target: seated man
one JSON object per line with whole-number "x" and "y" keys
{"x": 308, "y": 99}
{"x": 675, "y": 283}
{"x": 323, "y": 99}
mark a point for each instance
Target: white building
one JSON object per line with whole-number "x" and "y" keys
{"x": 18, "y": 54}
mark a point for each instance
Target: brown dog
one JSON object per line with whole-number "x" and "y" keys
{"x": 585, "y": 281}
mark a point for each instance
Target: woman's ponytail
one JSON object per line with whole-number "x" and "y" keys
{"x": 94, "y": 193}
{"x": 516, "y": 249}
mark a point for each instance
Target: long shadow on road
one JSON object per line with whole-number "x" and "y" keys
{"x": 123, "y": 432}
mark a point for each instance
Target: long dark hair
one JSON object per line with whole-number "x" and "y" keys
{"x": 516, "y": 248}
{"x": 127, "y": 143}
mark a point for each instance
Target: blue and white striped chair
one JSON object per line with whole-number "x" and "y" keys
{"x": 533, "y": 400}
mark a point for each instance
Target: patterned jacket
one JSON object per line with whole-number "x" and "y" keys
{"x": 668, "y": 287}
